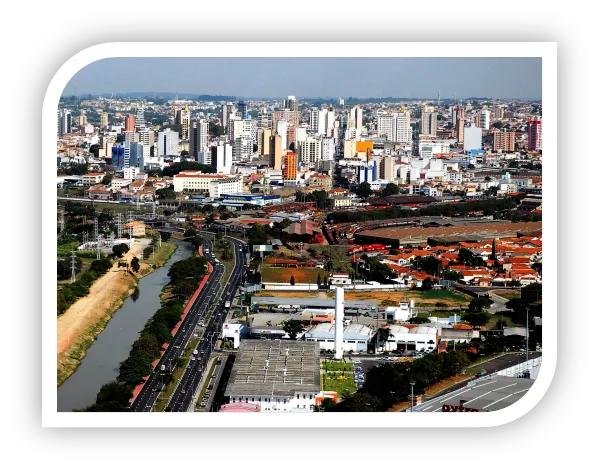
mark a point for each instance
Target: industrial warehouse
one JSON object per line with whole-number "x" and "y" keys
{"x": 399, "y": 236}
{"x": 277, "y": 376}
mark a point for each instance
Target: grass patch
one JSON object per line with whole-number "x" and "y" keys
{"x": 339, "y": 383}
{"x": 337, "y": 366}
{"x": 508, "y": 294}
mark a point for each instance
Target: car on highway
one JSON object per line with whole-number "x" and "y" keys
{"x": 182, "y": 391}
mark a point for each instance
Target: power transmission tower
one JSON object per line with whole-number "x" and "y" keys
{"x": 119, "y": 225}
{"x": 97, "y": 237}
{"x": 73, "y": 266}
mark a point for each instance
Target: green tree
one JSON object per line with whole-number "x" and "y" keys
{"x": 364, "y": 190}
{"x": 390, "y": 189}
{"x": 107, "y": 179}
{"x": 418, "y": 320}
{"x": 427, "y": 284}
{"x": 318, "y": 280}
{"x": 120, "y": 249}
{"x": 477, "y": 305}
{"x": 292, "y": 280}
{"x": 477, "y": 319}
{"x": 215, "y": 129}
{"x": 293, "y": 328}
{"x": 135, "y": 264}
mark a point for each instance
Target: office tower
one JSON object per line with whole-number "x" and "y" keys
{"x": 136, "y": 155}
{"x": 309, "y": 151}
{"x": 222, "y": 157}
{"x": 428, "y": 123}
{"x": 460, "y": 130}
{"x": 130, "y": 123}
{"x": 291, "y": 103}
{"x": 226, "y": 111}
{"x": 275, "y": 151}
{"x": 329, "y": 121}
{"x": 503, "y": 141}
{"x": 103, "y": 120}
{"x": 168, "y": 143}
{"x": 120, "y": 156}
{"x": 263, "y": 136}
{"x": 198, "y": 139}
{"x": 485, "y": 119}
{"x": 183, "y": 118}
{"x": 290, "y": 167}
{"x": 535, "y": 134}
{"x": 140, "y": 121}
{"x": 473, "y": 137}
{"x": 242, "y": 108}
{"x": 65, "y": 122}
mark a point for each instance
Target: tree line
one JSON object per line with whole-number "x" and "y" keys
{"x": 114, "y": 396}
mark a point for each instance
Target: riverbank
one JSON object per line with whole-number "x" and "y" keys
{"x": 79, "y": 326}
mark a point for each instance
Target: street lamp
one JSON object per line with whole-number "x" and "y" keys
{"x": 412, "y": 383}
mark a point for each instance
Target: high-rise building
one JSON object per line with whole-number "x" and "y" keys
{"x": 242, "y": 108}
{"x": 473, "y": 138}
{"x": 293, "y": 117}
{"x": 281, "y": 129}
{"x": 130, "y": 137}
{"x": 309, "y": 151}
{"x": 355, "y": 119}
{"x": 327, "y": 148}
{"x": 130, "y": 123}
{"x": 264, "y": 119}
{"x": 477, "y": 120}
{"x": 503, "y": 141}
{"x": 168, "y": 143}
{"x": 387, "y": 169}
{"x": 226, "y": 111}
{"x": 403, "y": 130}
{"x": 349, "y": 148}
{"x": 245, "y": 128}
{"x": 222, "y": 157}
{"x": 485, "y": 119}
{"x": 459, "y": 129}
{"x": 198, "y": 139}
{"x": 291, "y": 103}
{"x": 263, "y": 136}
{"x": 314, "y": 113}
{"x": 275, "y": 151}
{"x": 428, "y": 123}
{"x": 103, "y": 120}
{"x": 498, "y": 112}
{"x": 65, "y": 122}
{"x": 535, "y": 134}
{"x": 290, "y": 167}
{"x": 329, "y": 121}
{"x": 82, "y": 118}
{"x": 385, "y": 125}
{"x": 183, "y": 119}
{"x": 136, "y": 155}
{"x": 140, "y": 121}
{"x": 341, "y": 102}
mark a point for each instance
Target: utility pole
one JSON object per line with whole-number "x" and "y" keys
{"x": 73, "y": 265}
{"x": 526, "y": 334}
{"x": 61, "y": 220}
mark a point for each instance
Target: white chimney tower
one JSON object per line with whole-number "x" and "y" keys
{"x": 339, "y": 307}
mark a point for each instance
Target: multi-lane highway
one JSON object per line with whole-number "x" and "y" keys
{"x": 196, "y": 316}
{"x": 147, "y": 397}
{"x": 182, "y": 398}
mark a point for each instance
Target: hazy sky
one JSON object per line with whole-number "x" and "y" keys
{"x": 315, "y": 77}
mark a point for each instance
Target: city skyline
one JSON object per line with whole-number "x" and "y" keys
{"x": 271, "y": 78}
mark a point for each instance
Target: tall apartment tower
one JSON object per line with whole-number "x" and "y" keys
{"x": 168, "y": 143}
{"x": 291, "y": 103}
{"x": 504, "y": 141}
{"x": 485, "y": 119}
{"x": 130, "y": 123}
{"x": 276, "y": 152}
{"x": 460, "y": 130}
{"x": 198, "y": 139}
{"x": 242, "y": 108}
{"x": 226, "y": 111}
{"x": 355, "y": 119}
{"x": 140, "y": 121}
{"x": 103, "y": 120}
{"x": 183, "y": 119}
{"x": 263, "y": 136}
{"x": 65, "y": 122}
{"x": 290, "y": 168}
{"x": 403, "y": 130}
{"x": 535, "y": 134}
{"x": 428, "y": 123}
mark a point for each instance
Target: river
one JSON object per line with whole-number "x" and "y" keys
{"x": 112, "y": 346}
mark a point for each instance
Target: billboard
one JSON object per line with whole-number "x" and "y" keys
{"x": 262, "y": 248}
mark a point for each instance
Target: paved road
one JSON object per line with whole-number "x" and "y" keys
{"x": 147, "y": 397}
{"x": 182, "y": 397}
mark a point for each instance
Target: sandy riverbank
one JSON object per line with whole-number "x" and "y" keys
{"x": 88, "y": 316}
